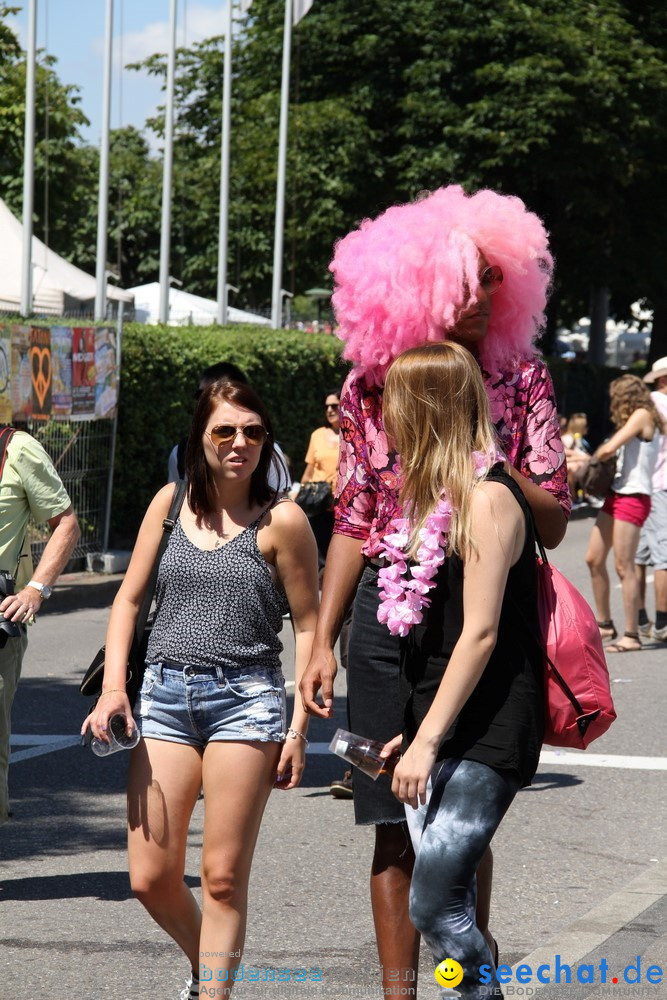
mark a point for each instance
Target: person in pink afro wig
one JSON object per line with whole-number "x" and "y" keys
{"x": 474, "y": 269}
{"x": 403, "y": 279}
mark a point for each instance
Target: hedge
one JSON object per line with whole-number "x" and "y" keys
{"x": 292, "y": 371}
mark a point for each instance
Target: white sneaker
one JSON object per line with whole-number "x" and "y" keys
{"x": 191, "y": 989}
{"x": 659, "y": 633}
{"x": 646, "y": 629}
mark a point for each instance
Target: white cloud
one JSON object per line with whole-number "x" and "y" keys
{"x": 201, "y": 21}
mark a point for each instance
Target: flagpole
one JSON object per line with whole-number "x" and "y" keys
{"x": 29, "y": 161}
{"x": 165, "y": 236}
{"x": 103, "y": 192}
{"x": 276, "y": 297}
{"x": 224, "y": 168}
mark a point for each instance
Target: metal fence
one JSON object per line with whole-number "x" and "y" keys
{"x": 81, "y": 452}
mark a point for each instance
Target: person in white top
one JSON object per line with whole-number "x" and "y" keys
{"x": 652, "y": 549}
{"x": 636, "y": 443}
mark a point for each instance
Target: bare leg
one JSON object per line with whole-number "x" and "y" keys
{"x": 163, "y": 785}
{"x": 626, "y": 540}
{"x": 238, "y": 778}
{"x": 661, "y": 590}
{"x": 641, "y": 585}
{"x": 599, "y": 544}
{"x": 397, "y": 939}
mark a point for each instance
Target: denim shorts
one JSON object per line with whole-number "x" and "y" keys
{"x": 192, "y": 704}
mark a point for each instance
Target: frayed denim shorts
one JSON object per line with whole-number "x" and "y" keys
{"x": 196, "y": 705}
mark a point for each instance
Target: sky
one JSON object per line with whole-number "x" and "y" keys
{"x": 73, "y": 32}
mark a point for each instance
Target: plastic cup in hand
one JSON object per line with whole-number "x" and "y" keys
{"x": 363, "y": 753}
{"x": 118, "y": 738}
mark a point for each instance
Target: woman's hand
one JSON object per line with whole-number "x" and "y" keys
{"x": 291, "y": 764}
{"x": 109, "y": 703}
{"x": 412, "y": 772}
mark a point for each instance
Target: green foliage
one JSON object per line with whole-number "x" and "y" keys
{"x": 161, "y": 367}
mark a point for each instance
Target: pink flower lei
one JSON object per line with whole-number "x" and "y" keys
{"x": 403, "y": 596}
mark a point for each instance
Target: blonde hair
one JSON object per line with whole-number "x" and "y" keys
{"x": 436, "y": 410}
{"x": 627, "y": 394}
{"x": 577, "y": 424}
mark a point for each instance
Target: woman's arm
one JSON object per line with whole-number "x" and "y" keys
{"x": 124, "y": 613}
{"x": 499, "y": 530}
{"x": 638, "y": 423}
{"x": 295, "y": 559}
{"x": 307, "y": 476}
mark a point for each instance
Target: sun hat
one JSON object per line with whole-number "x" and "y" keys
{"x": 658, "y": 368}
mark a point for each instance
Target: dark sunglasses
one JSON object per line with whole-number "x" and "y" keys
{"x": 332, "y": 406}
{"x": 491, "y": 278}
{"x": 253, "y": 433}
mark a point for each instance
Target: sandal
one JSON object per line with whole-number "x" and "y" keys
{"x": 616, "y": 647}
{"x": 607, "y": 629}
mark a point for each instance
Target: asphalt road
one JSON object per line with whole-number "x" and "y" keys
{"x": 579, "y": 860}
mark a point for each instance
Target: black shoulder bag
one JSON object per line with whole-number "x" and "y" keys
{"x": 91, "y": 685}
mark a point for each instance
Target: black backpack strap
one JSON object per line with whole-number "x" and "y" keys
{"x": 168, "y": 525}
{"x": 6, "y": 434}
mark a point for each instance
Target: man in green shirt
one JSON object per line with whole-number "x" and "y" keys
{"x": 29, "y": 487}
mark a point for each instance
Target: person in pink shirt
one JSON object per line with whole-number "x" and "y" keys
{"x": 476, "y": 270}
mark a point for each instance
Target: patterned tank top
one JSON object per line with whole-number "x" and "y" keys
{"x": 217, "y": 608}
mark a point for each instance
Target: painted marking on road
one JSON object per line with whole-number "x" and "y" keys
{"x": 582, "y": 759}
{"x": 40, "y": 744}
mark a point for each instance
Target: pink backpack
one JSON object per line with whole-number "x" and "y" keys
{"x": 578, "y": 707}
{"x": 578, "y": 703}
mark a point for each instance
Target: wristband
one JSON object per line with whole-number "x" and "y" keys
{"x": 113, "y": 691}
{"x": 293, "y": 733}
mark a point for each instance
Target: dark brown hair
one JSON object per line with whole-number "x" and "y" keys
{"x": 202, "y": 495}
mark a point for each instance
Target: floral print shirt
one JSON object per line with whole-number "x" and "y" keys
{"x": 523, "y": 409}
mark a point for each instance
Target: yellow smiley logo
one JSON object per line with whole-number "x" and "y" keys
{"x": 449, "y": 973}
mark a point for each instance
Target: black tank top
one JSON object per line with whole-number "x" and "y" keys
{"x": 502, "y": 722}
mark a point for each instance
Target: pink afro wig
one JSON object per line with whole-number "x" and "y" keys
{"x": 402, "y": 279}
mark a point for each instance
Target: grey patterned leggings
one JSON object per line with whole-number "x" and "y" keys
{"x": 450, "y": 834}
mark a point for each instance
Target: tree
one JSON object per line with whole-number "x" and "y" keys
{"x": 61, "y": 174}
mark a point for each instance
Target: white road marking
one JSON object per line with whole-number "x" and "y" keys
{"x": 585, "y": 759}
{"x": 40, "y": 744}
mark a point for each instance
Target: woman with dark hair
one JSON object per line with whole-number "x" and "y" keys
{"x": 322, "y": 467}
{"x": 211, "y": 711}
{"x": 618, "y": 525}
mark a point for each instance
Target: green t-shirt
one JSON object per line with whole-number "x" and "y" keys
{"x": 30, "y": 487}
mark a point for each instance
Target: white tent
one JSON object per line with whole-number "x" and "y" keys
{"x": 57, "y": 285}
{"x": 185, "y": 308}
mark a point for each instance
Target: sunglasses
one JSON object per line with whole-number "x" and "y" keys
{"x": 225, "y": 433}
{"x": 491, "y": 278}
{"x": 332, "y": 406}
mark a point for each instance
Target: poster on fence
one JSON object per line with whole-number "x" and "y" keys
{"x": 21, "y": 376}
{"x": 106, "y": 384}
{"x": 5, "y": 376}
{"x": 61, "y": 360}
{"x": 40, "y": 372}
{"x": 83, "y": 373}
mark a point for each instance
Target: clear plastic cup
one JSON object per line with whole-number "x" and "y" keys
{"x": 118, "y": 738}
{"x": 363, "y": 753}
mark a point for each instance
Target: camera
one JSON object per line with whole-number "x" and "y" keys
{"x": 8, "y": 630}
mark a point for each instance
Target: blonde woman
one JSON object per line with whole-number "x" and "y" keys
{"x": 459, "y": 585}
{"x": 637, "y": 443}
